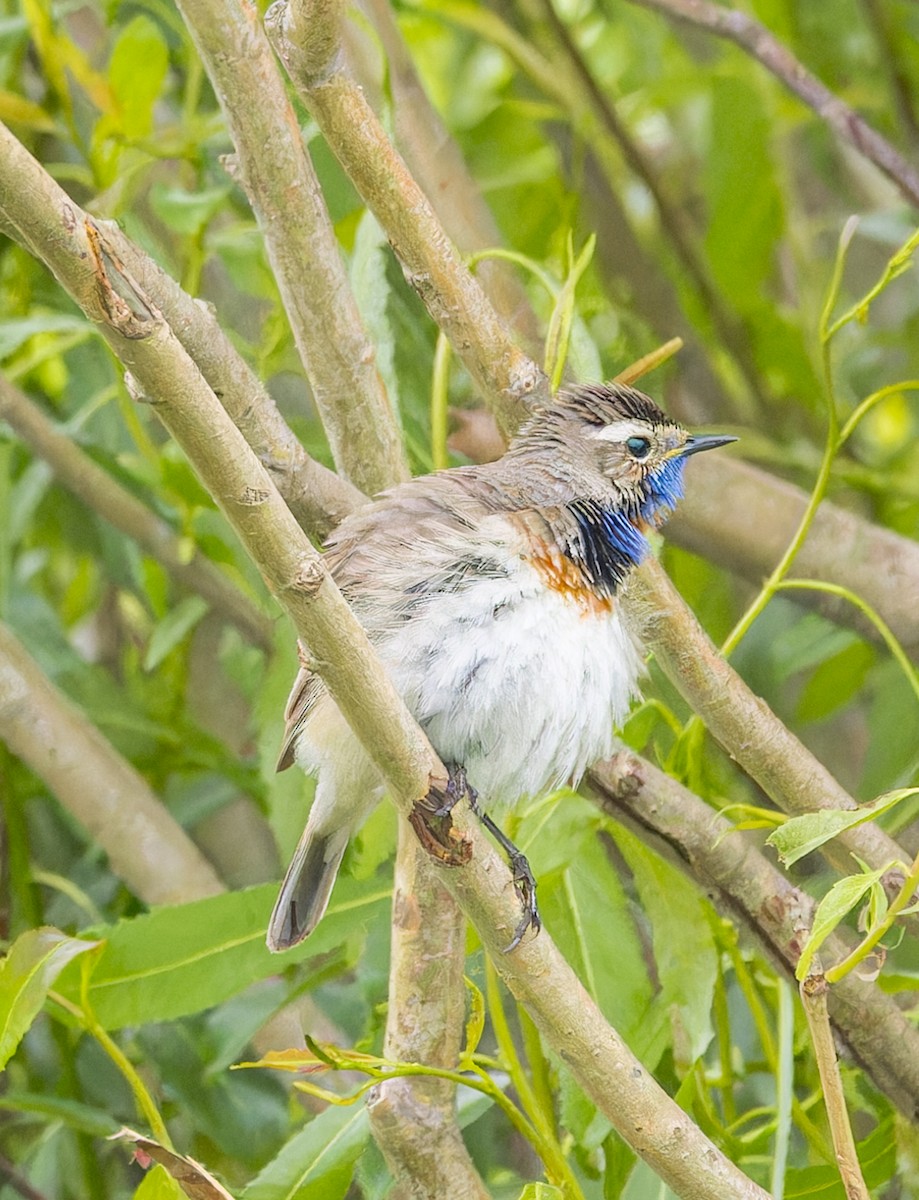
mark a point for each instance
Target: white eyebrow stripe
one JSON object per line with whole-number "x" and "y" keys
{"x": 621, "y": 431}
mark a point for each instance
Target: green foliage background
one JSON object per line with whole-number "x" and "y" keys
{"x": 112, "y": 98}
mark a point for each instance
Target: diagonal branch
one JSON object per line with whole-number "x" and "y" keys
{"x": 748, "y": 887}
{"x": 744, "y": 724}
{"x": 146, "y": 846}
{"x": 317, "y": 497}
{"x": 101, "y": 493}
{"x": 306, "y": 35}
{"x": 757, "y": 41}
{"x": 275, "y": 170}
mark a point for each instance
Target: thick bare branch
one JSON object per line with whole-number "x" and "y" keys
{"x": 274, "y": 168}
{"x": 747, "y": 887}
{"x": 436, "y": 162}
{"x": 306, "y": 35}
{"x": 146, "y": 847}
{"x": 317, "y": 497}
{"x": 414, "y": 1120}
{"x": 100, "y": 492}
{"x": 568, "y": 1019}
{"x": 757, "y": 41}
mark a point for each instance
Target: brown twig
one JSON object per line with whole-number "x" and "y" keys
{"x": 276, "y": 172}
{"x": 99, "y": 491}
{"x": 813, "y": 992}
{"x": 305, "y": 34}
{"x": 18, "y": 1181}
{"x": 752, "y": 37}
{"x": 750, "y": 889}
{"x": 146, "y": 847}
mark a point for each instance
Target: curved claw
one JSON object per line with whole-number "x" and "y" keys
{"x": 525, "y": 886}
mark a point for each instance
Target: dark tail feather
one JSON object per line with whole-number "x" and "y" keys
{"x": 305, "y": 891}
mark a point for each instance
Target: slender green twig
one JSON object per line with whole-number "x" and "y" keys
{"x": 813, "y": 997}
{"x": 784, "y": 1086}
{"x": 897, "y": 906}
{"x": 549, "y": 1150}
{"x": 892, "y": 643}
{"x": 143, "y": 1099}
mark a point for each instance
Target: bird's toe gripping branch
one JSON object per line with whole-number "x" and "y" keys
{"x": 431, "y": 821}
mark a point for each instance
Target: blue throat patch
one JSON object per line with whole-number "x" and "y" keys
{"x": 662, "y": 490}
{"x": 610, "y": 543}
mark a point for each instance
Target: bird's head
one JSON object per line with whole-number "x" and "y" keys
{"x": 612, "y": 445}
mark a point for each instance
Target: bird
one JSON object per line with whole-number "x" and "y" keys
{"x": 492, "y": 593}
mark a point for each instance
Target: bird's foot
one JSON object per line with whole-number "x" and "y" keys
{"x": 458, "y": 788}
{"x": 524, "y": 880}
{"x": 430, "y": 818}
{"x": 431, "y": 822}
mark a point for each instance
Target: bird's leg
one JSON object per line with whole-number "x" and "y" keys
{"x": 524, "y": 879}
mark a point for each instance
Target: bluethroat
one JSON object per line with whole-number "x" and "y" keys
{"x": 491, "y": 593}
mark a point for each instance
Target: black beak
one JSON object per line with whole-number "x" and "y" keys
{"x": 696, "y": 444}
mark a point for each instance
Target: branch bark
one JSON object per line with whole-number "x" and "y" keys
{"x": 748, "y": 888}
{"x": 317, "y": 497}
{"x": 99, "y": 491}
{"x": 757, "y": 41}
{"x": 275, "y": 170}
{"x": 146, "y": 847}
{"x": 306, "y": 35}
{"x": 414, "y": 1120}
{"x": 571, "y": 1023}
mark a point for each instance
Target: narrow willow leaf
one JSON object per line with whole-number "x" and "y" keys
{"x": 842, "y": 897}
{"x": 195, "y": 1181}
{"x": 318, "y": 1162}
{"x": 800, "y": 835}
{"x": 188, "y": 957}
{"x": 174, "y": 626}
{"x": 684, "y": 946}
{"x": 558, "y": 335}
{"x": 33, "y": 964}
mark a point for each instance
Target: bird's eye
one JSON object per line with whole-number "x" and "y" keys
{"x": 638, "y": 447}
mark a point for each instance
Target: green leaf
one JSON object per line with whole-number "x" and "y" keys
{"x": 684, "y": 945}
{"x": 800, "y": 835}
{"x": 136, "y": 73}
{"x": 541, "y": 1191}
{"x": 52, "y": 1109}
{"x": 842, "y": 897}
{"x": 318, "y": 1162}
{"x": 174, "y": 626}
{"x": 15, "y": 333}
{"x": 835, "y": 682}
{"x": 185, "y": 958}
{"x": 587, "y": 912}
{"x": 186, "y": 212}
{"x": 26, "y": 974}
{"x": 158, "y": 1184}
